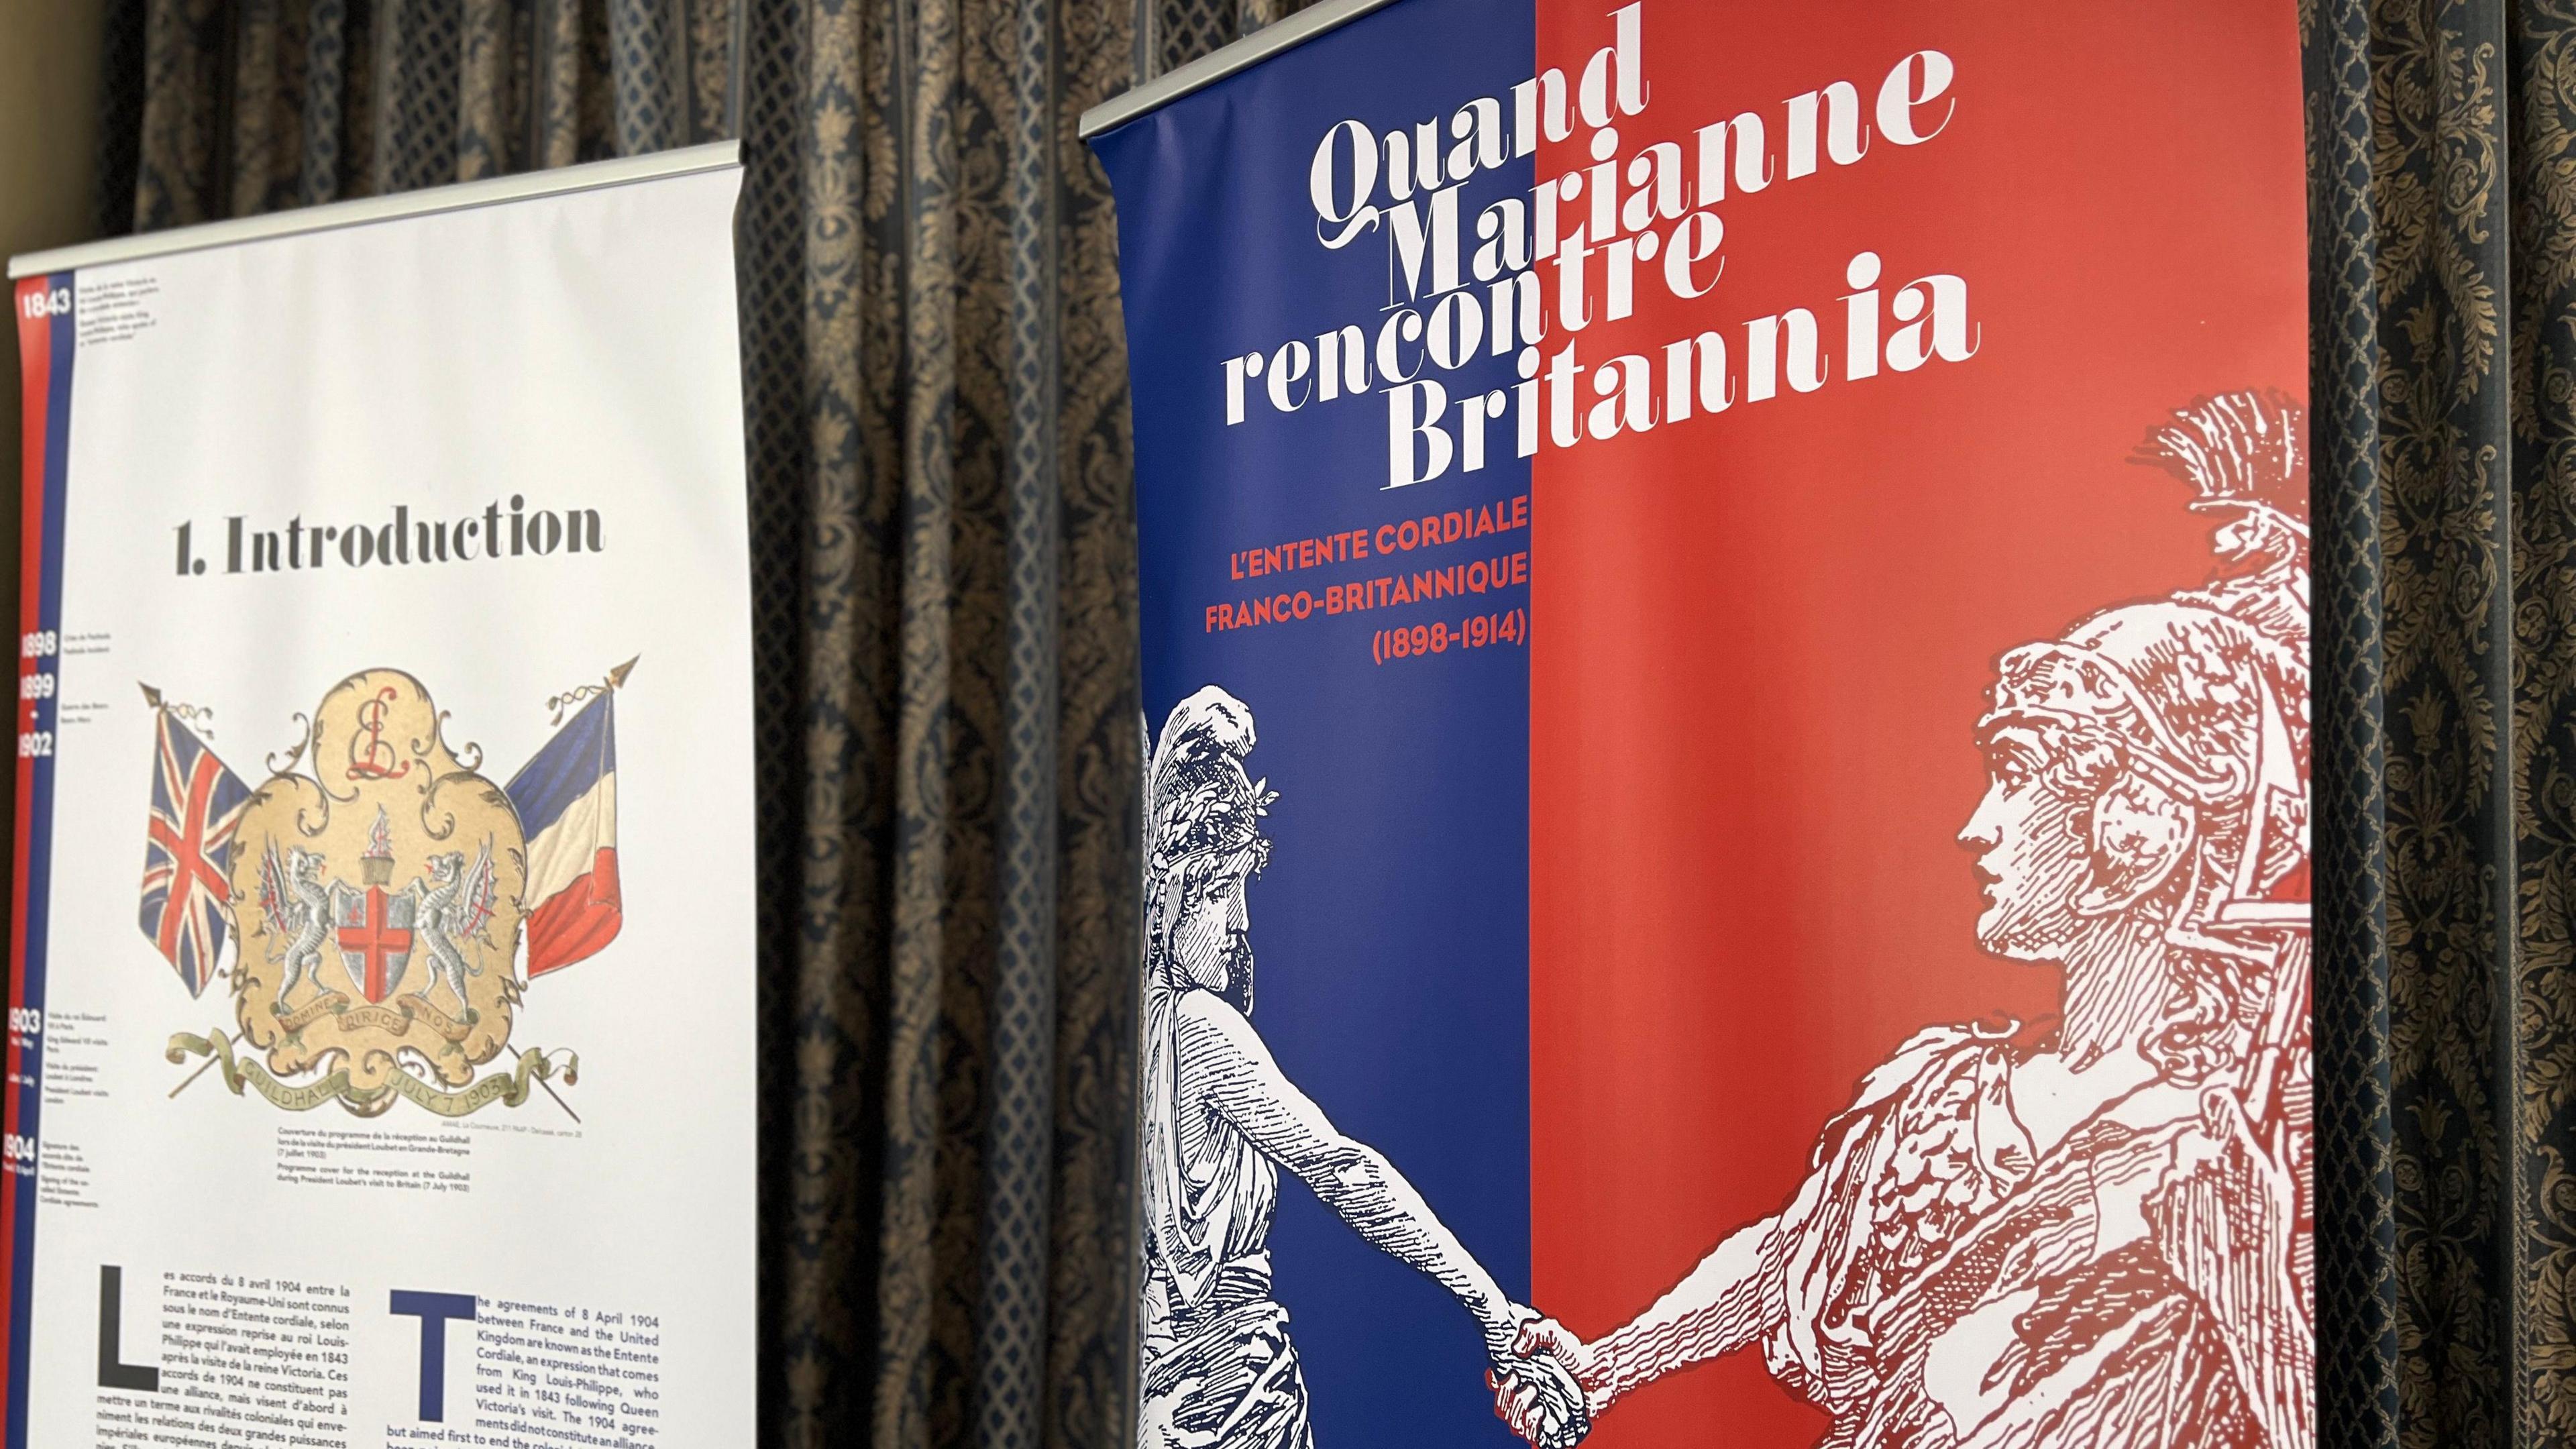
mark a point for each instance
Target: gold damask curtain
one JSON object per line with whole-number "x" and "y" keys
{"x": 936, "y": 393}
{"x": 2443, "y": 237}
{"x": 935, "y": 383}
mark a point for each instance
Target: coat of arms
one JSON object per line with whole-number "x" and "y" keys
{"x": 378, "y": 888}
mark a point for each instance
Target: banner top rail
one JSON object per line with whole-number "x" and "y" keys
{"x": 365, "y": 211}
{"x": 1216, "y": 65}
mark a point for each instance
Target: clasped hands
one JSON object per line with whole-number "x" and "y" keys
{"x": 1538, "y": 1382}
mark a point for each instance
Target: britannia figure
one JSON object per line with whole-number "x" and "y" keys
{"x": 1219, "y": 1120}
{"x": 2094, "y": 1230}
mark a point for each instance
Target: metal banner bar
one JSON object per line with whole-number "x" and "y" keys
{"x": 366, "y": 211}
{"x": 1208, "y": 69}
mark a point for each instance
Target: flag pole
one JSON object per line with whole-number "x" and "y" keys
{"x": 202, "y": 1069}
{"x": 518, "y": 1055}
{"x": 614, "y": 681}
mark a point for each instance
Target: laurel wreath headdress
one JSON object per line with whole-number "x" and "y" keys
{"x": 1206, "y": 805}
{"x": 1201, "y": 805}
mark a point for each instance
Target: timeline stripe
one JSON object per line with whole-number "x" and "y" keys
{"x": 46, "y": 333}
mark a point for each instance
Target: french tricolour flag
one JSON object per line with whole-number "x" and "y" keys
{"x": 567, "y": 803}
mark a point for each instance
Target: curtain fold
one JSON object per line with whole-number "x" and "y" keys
{"x": 2443, "y": 228}
{"x": 2541, "y": 632}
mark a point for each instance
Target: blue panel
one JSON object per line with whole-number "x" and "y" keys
{"x": 1391, "y": 925}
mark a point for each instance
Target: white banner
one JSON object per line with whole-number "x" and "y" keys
{"x": 381, "y": 1034}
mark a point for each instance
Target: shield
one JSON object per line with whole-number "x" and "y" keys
{"x": 376, "y": 935}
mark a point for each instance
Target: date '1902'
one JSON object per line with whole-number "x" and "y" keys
{"x": 1476, "y": 631}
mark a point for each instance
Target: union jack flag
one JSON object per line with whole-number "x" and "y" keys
{"x": 187, "y": 856}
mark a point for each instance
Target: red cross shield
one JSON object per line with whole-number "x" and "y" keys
{"x": 375, "y": 939}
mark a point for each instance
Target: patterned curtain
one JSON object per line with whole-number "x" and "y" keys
{"x": 221, "y": 108}
{"x": 2442, "y": 139}
{"x": 936, "y": 389}
{"x": 944, "y": 608}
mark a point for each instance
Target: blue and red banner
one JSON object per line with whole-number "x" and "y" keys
{"x": 1725, "y": 617}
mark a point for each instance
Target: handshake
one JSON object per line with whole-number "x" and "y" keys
{"x": 1541, "y": 1378}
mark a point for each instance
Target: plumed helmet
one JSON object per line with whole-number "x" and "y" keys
{"x": 2206, "y": 692}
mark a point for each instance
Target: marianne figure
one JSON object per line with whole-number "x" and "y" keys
{"x": 2091, "y": 1231}
{"x": 1219, "y": 1121}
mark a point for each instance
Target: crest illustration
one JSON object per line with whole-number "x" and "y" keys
{"x": 378, "y": 889}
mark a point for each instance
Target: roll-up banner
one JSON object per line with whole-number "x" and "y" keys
{"x": 1725, "y": 602}
{"x": 380, "y": 1021}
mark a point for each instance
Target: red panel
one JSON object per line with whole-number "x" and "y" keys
{"x": 1762, "y": 640}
